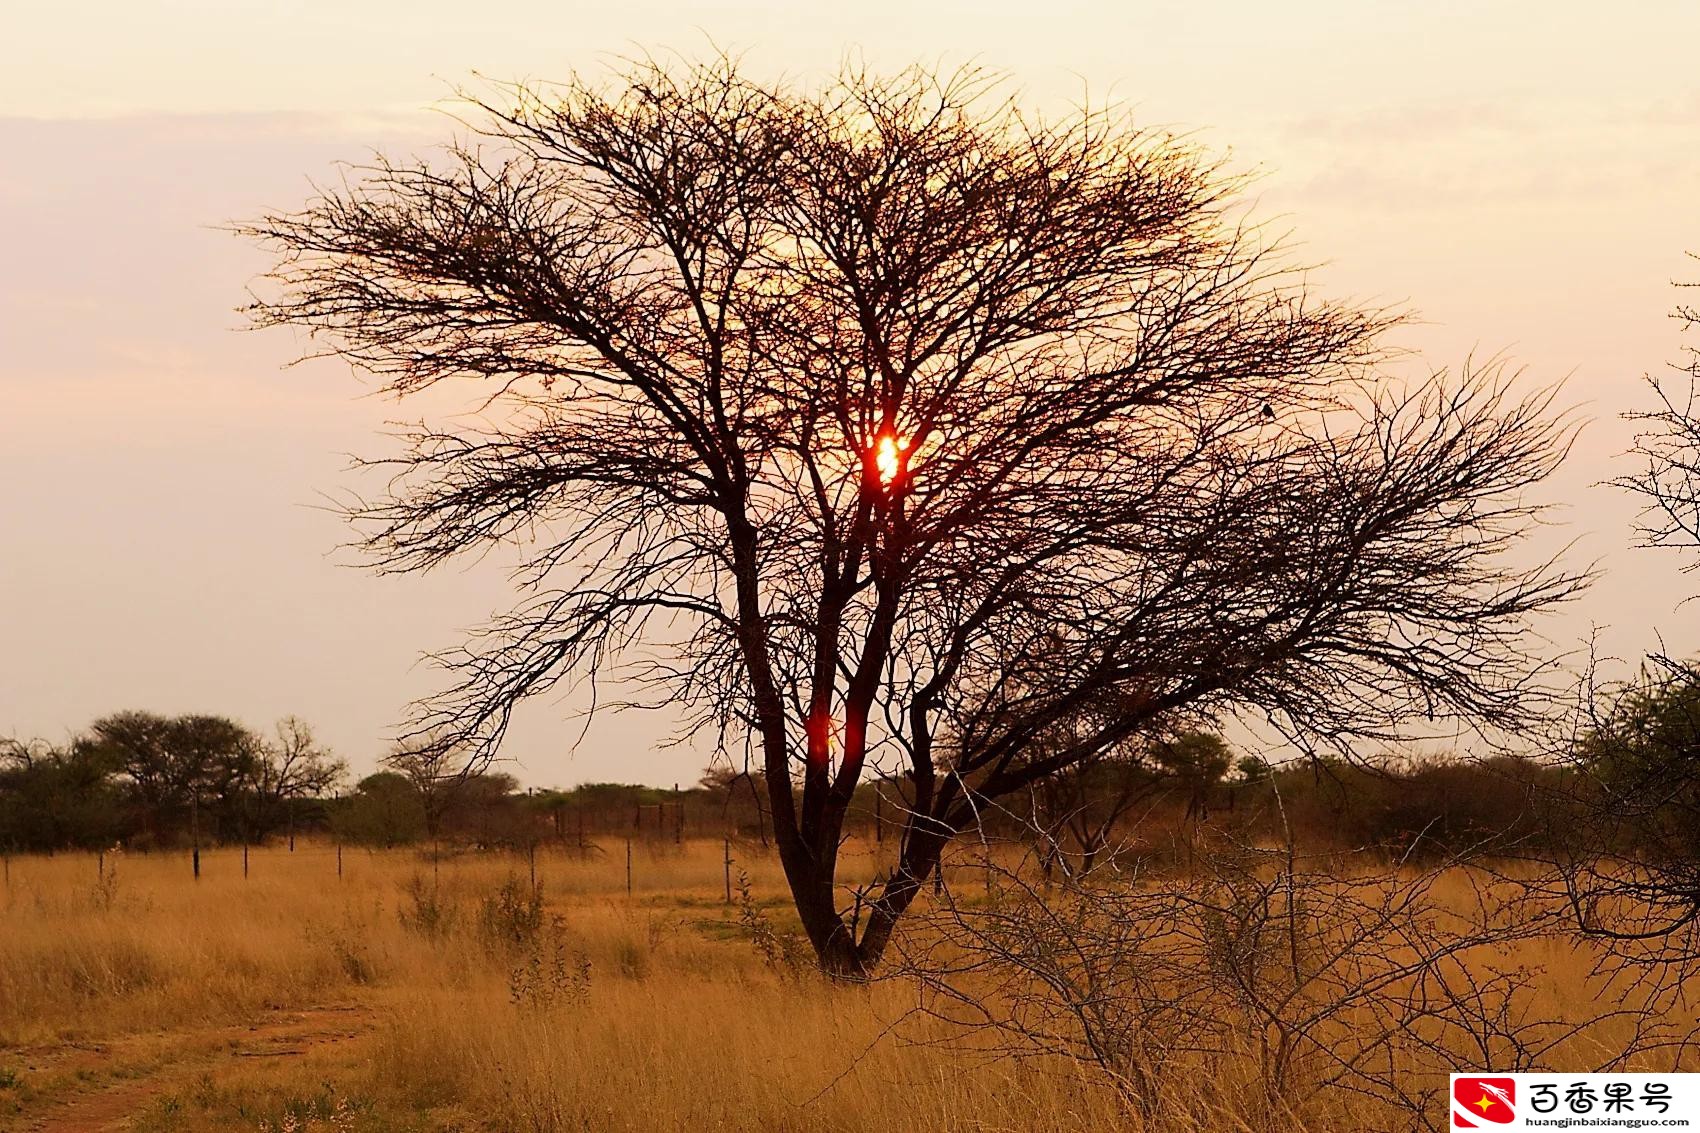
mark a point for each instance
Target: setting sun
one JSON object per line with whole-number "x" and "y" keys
{"x": 888, "y": 457}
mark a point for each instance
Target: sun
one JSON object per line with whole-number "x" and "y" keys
{"x": 888, "y": 457}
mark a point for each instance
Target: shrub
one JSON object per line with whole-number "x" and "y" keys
{"x": 426, "y": 913}
{"x": 783, "y": 952}
{"x": 551, "y": 973}
{"x": 512, "y": 916}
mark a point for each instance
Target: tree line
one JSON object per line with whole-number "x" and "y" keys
{"x": 1627, "y": 785}
{"x": 145, "y": 779}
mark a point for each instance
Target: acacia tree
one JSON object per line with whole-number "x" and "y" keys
{"x": 438, "y": 770}
{"x": 1668, "y": 446}
{"x": 176, "y": 765}
{"x": 290, "y": 772}
{"x": 905, "y": 430}
{"x": 1076, "y": 811}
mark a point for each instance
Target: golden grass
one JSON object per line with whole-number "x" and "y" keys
{"x": 681, "y": 1026}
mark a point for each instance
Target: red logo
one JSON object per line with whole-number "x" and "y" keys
{"x": 1483, "y": 1101}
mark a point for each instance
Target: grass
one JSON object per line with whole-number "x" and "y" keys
{"x": 482, "y": 1011}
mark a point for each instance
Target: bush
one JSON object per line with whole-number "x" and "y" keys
{"x": 426, "y": 912}
{"x": 551, "y": 973}
{"x": 512, "y": 916}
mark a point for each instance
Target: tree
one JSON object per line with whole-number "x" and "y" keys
{"x": 53, "y": 796}
{"x": 723, "y": 779}
{"x": 1625, "y": 818}
{"x": 177, "y": 765}
{"x": 1253, "y": 769}
{"x": 1077, "y": 810}
{"x": 1629, "y": 857}
{"x": 290, "y": 771}
{"x": 1197, "y": 761}
{"x": 384, "y": 810}
{"x": 905, "y": 430}
{"x": 1644, "y": 756}
{"x": 1669, "y": 449}
{"x": 488, "y": 809}
{"x": 436, "y": 771}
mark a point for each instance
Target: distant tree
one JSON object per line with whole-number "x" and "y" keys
{"x": 290, "y": 771}
{"x": 487, "y": 809}
{"x": 136, "y": 745}
{"x": 1196, "y": 761}
{"x": 720, "y": 778}
{"x": 1643, "y": 757}
{"x": 1079, "y": 810}
{"x": 52, "y": 797}
{"x": 383, "y": 810}
{"x": 725, "y": 780}
{"x": 1253, "y": 769}
{"x": 551, "y": 806}
{"x": 1632, "y": 809}
{"x": 182, "y": 771}
{"x": 846, "y": 405}
{"x": 437, "y": 772}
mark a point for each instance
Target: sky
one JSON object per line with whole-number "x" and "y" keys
{"x": 1525, "y": 177}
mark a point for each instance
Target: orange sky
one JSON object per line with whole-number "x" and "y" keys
{"x": 1524, "y": 175}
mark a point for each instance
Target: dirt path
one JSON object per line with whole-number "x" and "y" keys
{"x": 129, "y": 1073}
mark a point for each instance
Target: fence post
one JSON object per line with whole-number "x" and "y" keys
{"x": 244, "y": 861}
{"x": 339, "y": 859}
{"x": 628, "y": 868}
{"x": 728, "y": 864}
{"x": 531, "y": 856}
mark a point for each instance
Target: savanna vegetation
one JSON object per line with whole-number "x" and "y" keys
{"x": 1237, "y": 969}
{"x": 971, "y": 482}
{"x": 1303, "y": 947}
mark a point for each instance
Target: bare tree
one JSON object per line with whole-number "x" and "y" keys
{"x": 851, "y": 403}
{"x": 1669, "y": 449}
{"x": 289, "y": 771}
{"x": 437, "y": 772}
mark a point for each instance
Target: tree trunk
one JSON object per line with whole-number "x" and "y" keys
{"x": 811, "y": 870}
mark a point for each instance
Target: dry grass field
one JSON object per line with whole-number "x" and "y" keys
{"x": 407, "y": 995}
